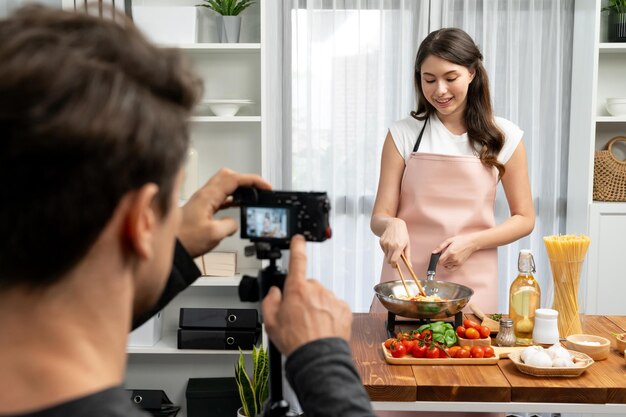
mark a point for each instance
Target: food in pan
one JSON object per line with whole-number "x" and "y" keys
{"x": 419, "y": 297}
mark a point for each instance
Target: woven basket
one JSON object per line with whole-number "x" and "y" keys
{"x": 581, "y": 361}
{"x": 609, "y": 174}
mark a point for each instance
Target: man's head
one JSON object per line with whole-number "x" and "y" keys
{"x": 90, "y": 113}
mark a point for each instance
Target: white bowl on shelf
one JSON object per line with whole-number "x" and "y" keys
{"x": 616, "y": 106}
{"x": 223, "y": 107}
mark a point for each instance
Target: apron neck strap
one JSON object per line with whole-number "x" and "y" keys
{"x": 419, "y": 137}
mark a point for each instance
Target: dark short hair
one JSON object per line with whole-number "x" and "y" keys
{"x": 89, "y": 110}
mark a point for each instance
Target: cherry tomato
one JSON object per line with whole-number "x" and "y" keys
{"x": 432, "y": 352}
{"x": 402, "y": 335}
{"x": 472, "y": 333}
{"x": 389, "y": 341}
{"x": 398, "y": 350}
{"x": 488, "y": 351}
{"x": 484, "y": 332}
{"x": 419, "y": 351}
{"x": 460, "y": 331}
{"x": 427, "y": 334}
{"x": 408, "y": 344}
{"x": 470, "y": 323}
{"x": 443, "y": 352}
{"x": 453, "y": 350}
{"x": 462, "y": 353}
{"x": 477, "y": 352}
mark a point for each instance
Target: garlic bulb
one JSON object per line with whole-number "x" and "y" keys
{"x": 558, "y": 352}
{"x": 530, "y": 351}
{"x": 540, "y": 360}
{"x": 562, "y": 363}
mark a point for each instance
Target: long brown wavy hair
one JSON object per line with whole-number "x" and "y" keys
{"x": 456, "y": 46}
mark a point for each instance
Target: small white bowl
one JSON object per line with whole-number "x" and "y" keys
{"x": 616, "y": 106}
{"x": 223, "y": 108}
{"x": 595, "y": 346}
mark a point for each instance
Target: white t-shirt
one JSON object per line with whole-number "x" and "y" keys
{"x": 438, "y": 139}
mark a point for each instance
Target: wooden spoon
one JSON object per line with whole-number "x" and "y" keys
{"x": 493, "y": 325}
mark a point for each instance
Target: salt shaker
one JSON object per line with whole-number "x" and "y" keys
{"x": 546, "y": 331}
{"x": 506, "y": 336}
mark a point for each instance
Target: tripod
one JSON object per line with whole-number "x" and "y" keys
{"x": 253, "y": 289}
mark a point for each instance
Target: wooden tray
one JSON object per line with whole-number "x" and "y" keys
{"x": 581, "y": 360}
{"x": 500, "y": 352}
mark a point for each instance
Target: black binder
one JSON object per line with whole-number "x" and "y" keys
{"x": 154, "y": 401}
{"x": 218, "y": 318}
{"x": 217, "y": 339}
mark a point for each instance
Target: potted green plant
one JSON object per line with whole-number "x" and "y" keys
{"x": 617, "y": 20}
{"x": 253, "y": 391}
{"x": 229, "y": 23}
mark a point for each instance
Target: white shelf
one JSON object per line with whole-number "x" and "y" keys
{"x": 612, "y": 48}
{"x": 228, "y": 119}
{"x": 234, "y": 48}
{"x": 232, "y": 281}
{"x": 167, "y": 346}
{"x": 609, "y": 204}
{"x": 611, "y": 119}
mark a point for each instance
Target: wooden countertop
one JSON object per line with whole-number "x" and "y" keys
{"x": 604, "y": 382}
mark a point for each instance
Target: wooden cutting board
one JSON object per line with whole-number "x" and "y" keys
{"x": 500, "y": 353}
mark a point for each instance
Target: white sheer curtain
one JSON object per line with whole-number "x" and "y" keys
{"x": 351, "y": 72}
{"x": 351, "y": 66}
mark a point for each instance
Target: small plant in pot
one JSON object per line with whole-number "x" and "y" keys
{"x": 229, "y": 23}
{"x": 253, "y": 391}
{"x": 617, "y": 20}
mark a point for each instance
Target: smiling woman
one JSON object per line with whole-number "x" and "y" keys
{"x": 350, "y": 67}
{"x": 437, "y": 186}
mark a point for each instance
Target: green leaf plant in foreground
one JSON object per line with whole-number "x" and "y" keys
{"x": 253, "y": 392}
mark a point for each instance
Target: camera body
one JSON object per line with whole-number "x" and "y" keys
{"x": 276, "y": 216}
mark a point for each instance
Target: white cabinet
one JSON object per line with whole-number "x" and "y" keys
{"x": 229, "y": 71}
{"x": 598, "y": 72}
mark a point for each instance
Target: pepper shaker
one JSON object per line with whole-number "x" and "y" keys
{"x": 506, "y": 336}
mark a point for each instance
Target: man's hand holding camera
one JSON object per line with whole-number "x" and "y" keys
{"x": 200, "y": 231}
{"x": 305, "y": 311}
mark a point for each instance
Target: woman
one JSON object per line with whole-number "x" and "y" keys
{"x": 439, "y": 172}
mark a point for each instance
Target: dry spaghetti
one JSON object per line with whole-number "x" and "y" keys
{"x": 566, "y": 254}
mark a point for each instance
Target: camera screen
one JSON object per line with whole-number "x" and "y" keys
{"x": 267, "y": 222}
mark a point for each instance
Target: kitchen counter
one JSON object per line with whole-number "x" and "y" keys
{"x": 487, "y": 388}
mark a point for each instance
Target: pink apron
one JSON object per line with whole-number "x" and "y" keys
{"x": 443, "y": 196}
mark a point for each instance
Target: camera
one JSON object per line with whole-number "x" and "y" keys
{"x": 276, "y": 216}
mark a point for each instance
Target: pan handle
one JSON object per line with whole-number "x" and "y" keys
{"x": 432, "y": 266}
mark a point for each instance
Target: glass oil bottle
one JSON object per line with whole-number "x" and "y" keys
{"x": 524, "y": 299}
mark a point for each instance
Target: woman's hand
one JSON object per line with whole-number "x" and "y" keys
{"x": 455, "y": 251}
{"x": 395, "y": 240}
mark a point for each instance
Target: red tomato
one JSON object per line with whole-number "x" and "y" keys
{"x": 427, "y": 334}
{"x": 462, "y": 353}
{"x": 460, "y": 331}
{"x": 472, "y": 333}
{"x": 470, "y": 323}
{"x": 443, "y": 352}
{"x": 484, "y": 332}
{"x": 408, "y": 344}
{"x": 432, "y": 353}
{"x": 398, "y": 350}
{"x": 477, "y": 352}
{"x": 453, "y": 350}
{"x": 402, "y": 335}
{"x": 419, "y": 351}
{"x": 488, "y": 351}
{"x": 389, "y": 341}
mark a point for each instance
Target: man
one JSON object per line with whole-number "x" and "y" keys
{"x": 93, "y": 121}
